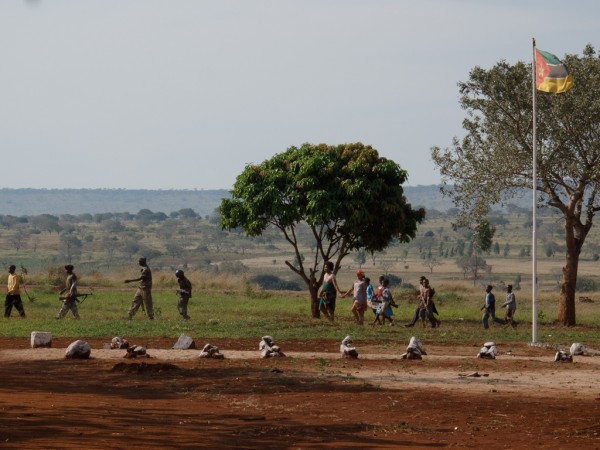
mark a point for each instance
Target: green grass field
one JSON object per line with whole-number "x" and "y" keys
{"x": 247, "y": 313}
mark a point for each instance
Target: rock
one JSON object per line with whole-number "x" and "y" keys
{"x": 267, "y": 341}
{"x": 488, "y": 351}
{"x": 78, "y": 350}
{"x": 211, "y": 351}
{"x": 41, "y": 339}
{"x": 577, "y": 349}
{"x": 347, "y": 349}
{"x": 563, "y": 357}
{"x": 135, "y": 350}
{"x": 119, "y": 343}
{"x": 414, "y": 349}
{"x": 268, "y": 349}
{"x": 184, "y": 343}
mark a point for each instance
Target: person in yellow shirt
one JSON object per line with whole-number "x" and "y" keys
{"x": 13, "y": 293}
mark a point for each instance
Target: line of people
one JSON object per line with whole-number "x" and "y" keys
{"x": 365, "y": 297}
{"x": 70, "y": 295}
{"x": 381, "y": 301}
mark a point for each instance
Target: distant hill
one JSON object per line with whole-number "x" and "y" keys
{"x": 26, "y": 202}
{"x": 428, "y": 197}
{"x": 23, "y": 202}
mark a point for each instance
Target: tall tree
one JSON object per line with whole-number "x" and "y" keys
{"x": 494, "y": 158}
{"x": 349, "y": 196}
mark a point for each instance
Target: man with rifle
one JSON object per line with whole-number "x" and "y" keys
{"x": 143, "y": 295}
{"x": 184, "y": 292}
{"x": 69, "y": 295}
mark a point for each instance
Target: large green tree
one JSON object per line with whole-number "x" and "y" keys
{"x": 348, "y": 196}
{"x": 494, "y": 158}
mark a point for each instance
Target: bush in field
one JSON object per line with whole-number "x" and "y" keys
{"x": 585, "y": 284}
{"x": 395, "y": 281}
{"x": 233, "y": 267}
{"x": 274, "y": 283}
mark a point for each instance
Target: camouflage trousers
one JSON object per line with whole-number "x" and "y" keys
{"x": 142, "y": 296}
{"x": 182, "y": 305}
{"x": 68, "y": 305}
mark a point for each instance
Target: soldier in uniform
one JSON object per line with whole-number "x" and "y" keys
{"x": 184, "y": 293}
{"x": 143, "y": 295}
{"x": 13, "y": 293}
{"x": 69, "y": 295}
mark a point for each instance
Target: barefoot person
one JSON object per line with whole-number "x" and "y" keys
{"x": 143, "y": 295}
{"x": 359, "y": 304}
{"x": 329, "y": 291}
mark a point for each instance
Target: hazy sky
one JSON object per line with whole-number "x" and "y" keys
{"x": 143, "y": 94}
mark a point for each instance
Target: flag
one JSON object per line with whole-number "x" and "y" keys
{"x": 551, "y": 74}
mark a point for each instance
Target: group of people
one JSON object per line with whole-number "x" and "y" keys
{"x": 489, "y": 307}
{"x": 69, "y": 295}
{"x": 381, "y": 301}
{"x": 364, "y": 297}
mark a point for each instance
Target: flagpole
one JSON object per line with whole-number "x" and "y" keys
{"x": 534, "y": 209}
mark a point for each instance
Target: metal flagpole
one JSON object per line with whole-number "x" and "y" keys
{"x": 534, "y": 210}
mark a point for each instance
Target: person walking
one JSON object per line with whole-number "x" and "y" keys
{"x": 430, "y": 309}
{"x": 184, "y": 292}
{"x": 387, "y": 301}
{"x": 13, "y": 293}
{"x": 489, "y": 308}
{"x": 329, "y": 291}
{"x": 511, "y": 306}
{"x": 143, "y": 295}
{"x": 421, "y": 307}
{"x": 359, "y": 304}
{"x": 69, "y": 295}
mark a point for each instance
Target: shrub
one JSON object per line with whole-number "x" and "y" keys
{"x": 274, "y": 283}
{"x": 585, "y": 284}
{"x": 394, "y": 280}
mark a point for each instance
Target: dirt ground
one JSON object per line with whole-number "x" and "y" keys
{"x": 310, "y": 399}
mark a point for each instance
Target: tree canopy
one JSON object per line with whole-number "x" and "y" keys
{"x": 494, "y": 158}
{"x": 348, "y": 196}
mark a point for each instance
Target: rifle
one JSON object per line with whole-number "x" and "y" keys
{"x": 68, "y": 297}
{"x": 30, "y": 297}
{"x": 24, "y": 272}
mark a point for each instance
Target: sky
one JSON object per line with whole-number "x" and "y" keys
{"x": 158, "y": 94}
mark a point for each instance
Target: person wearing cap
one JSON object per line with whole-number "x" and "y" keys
{"x": 143, "y": 295}
{"x": 184, "y": 293}
{"x": 329, "y": 291}
{"x": 359, "y": 304}
{"x": 69, "y": 295}
{"x": 13, "y": 293}
{"x": 511, "y": 306}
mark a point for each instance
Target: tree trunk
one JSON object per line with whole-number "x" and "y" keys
{"x": 314, "y": 302}
{"x": 566, "y": 302}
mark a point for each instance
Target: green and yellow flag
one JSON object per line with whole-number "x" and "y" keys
{"x": 551, "y": 74}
